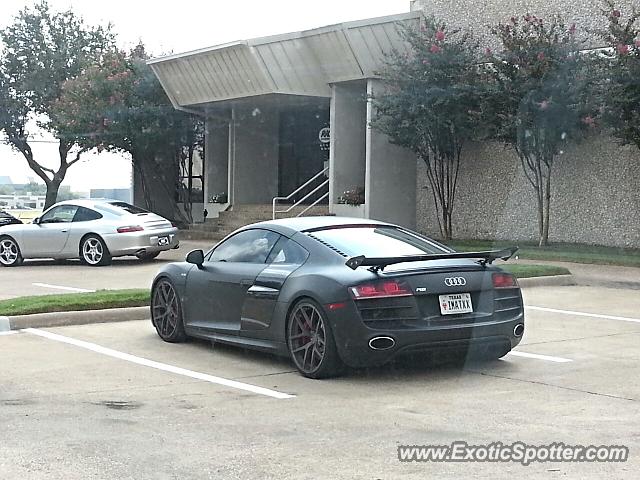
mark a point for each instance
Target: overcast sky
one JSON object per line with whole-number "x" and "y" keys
{"x": 178, "y": 26}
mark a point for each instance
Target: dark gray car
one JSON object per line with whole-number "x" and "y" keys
{"x": 330, "y": 291}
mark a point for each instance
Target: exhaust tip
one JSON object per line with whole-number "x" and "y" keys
{"x": 518, "y": 330}
{"x": 381, "y": 343}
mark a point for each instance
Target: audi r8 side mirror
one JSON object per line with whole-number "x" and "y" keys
{"x": 196, "y": 257}
{"x": 36, "y": 221}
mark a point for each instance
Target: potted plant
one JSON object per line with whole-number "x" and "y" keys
{"x": 354, "y": 196}
{"x": 218, "y": 198}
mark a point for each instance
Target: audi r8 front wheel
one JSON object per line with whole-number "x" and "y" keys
{"x": 166, "y": 312}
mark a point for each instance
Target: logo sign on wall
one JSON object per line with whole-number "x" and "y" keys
{"x": 324, "y": 135}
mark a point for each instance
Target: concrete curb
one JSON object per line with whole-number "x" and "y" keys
{"x": 549, "y": 281}
{"x": 64, "y": 319}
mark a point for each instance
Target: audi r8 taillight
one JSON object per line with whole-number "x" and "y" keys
{"x": 504, "y": 280}
{"x": 381, "y": 289}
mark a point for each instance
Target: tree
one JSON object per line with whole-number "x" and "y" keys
{"x": 621, "y": 92}
{"x": 42, "y": 50}
{"x": 541, "y": 99}
{"x": 120, "y": 105}
{"x": 431, "y": 106}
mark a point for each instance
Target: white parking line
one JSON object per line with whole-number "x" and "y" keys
{"x": 540, "y": 357}
{"x": 60, "y": 287}
{"x": 583, "y": 314}
{"x": 159, "y": 366}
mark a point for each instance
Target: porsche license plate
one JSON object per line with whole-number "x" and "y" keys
{"x": 162, "y": 241}
{"x": 455, "y": 304}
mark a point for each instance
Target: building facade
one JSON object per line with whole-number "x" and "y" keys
{"x": 285, "y": 109}
{"x": 282, "y": 110}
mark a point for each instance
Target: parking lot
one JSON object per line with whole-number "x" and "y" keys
{"x": 112, "y": 400}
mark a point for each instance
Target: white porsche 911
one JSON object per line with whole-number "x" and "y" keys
{"x": 93, "y": 230}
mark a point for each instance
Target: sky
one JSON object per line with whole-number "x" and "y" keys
{"x": 173, "y": 27}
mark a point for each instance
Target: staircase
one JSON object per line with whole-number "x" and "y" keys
{"x": 216, "y": 229}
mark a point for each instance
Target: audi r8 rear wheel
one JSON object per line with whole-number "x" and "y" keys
{"x": 310, "y": 341}
{"x": 166, "y": 312}
{"x": 10, "y": 255}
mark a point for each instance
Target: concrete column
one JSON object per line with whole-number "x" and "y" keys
{"x": 390, "y": 187}
{"x": 254, "y": 139}
{"x": 216, "y": 156}
{"x": 348, "y": 134}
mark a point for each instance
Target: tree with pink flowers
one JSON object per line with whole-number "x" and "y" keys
{"x": 431, "y": 106}
{"x": 541, "y": 102}
{"x": 621, "y": 92}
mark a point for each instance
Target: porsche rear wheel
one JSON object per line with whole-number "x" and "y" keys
{"x": 94, "y": 252}
{"x": 10, "y": 255}
{"x": 310, "y": 341}
{"x": 166, "y": 312}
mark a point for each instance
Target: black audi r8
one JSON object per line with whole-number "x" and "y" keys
{"x": 331, "y": 291}
{"x": 7, "y": 219}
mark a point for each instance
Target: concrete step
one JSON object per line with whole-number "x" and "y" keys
{"x": 200, "y": 235}
{"x": 240, "y": 216}
{"x": 203, "y": 227}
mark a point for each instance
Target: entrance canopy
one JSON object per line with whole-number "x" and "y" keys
{"x": 301, "y": 63}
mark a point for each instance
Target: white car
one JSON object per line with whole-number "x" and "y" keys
{"x": 93, "y": 230}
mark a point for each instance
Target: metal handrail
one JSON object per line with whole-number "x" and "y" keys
{"x": 301, "y": 187}
{"x": 313, "y": 204}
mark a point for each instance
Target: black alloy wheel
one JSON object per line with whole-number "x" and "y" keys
{"x": 310, "y": 341}
{"x": 166, "y": 312}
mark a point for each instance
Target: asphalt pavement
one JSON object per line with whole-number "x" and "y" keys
{"x": 112, "y": 401}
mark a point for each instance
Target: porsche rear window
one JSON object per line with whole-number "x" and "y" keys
{"x": 376, "y": 241}
{"x": 129, "y": 208}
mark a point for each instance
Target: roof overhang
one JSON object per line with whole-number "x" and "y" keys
{"x": 301, "y": 63}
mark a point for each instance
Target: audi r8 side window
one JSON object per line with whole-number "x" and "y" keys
{"x": 249, "y": 246}
{"x": 288, "y": 252}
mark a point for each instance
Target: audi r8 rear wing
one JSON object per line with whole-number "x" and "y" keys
{"x": 379, "y": 263}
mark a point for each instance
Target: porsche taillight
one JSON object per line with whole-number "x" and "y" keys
{"x": 383, "y": 288}
{"x": 130, "y": 228}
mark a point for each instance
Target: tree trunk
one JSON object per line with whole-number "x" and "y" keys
{"x": 52, "y": 192}
{"x": 544, "y": 238}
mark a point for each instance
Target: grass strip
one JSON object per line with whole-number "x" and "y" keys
{"x": 576, "y": 253}
{"x": 99, "y": 300}
{"x": 529, "y": 271}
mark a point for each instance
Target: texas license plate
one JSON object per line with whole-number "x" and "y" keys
{"x": 163, "y": 241}
{"x": 455, "y": 303}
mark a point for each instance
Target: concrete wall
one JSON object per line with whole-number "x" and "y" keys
{"x": 478, "y": 15}
{"x": 255, "y": 153}
{"x": 348, "y": 121}
{"x": 389, "y": 196}
{"x": 595, "y": 196}
{"x": 216, "y": 157}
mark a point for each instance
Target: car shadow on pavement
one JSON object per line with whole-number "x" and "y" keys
{"x": 117, "y": 262}
{"x": 407, "y": 367}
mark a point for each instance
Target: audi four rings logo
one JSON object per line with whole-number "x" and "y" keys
{"x": 455, "y": 281}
